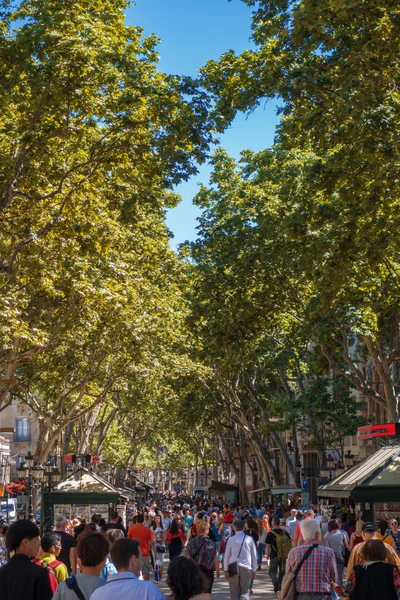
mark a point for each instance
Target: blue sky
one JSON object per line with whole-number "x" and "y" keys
{"x": 192, "y": 32}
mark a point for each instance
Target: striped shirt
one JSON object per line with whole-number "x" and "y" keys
{"x": 317, "y": 572}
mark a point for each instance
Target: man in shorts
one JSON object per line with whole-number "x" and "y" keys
{"x": 144, "y": 535}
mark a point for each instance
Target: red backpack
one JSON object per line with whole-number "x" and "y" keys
{"x": 50, "y": 570}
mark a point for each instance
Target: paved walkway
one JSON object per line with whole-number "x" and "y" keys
{"x": 262, "y": 588}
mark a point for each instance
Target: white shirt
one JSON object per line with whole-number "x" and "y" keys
{"x": 292, "y": 527}
{"x": 248, "y": 554}
{"x": 126, "y": 585}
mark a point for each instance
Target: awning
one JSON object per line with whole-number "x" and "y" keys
{"x": 285, "y": 489}
{"x": 219, "y": 485}
{"x": 279, "y": 489}
{"x": 380, "y": 470}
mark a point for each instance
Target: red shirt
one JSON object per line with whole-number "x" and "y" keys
{"x": 297, "y": 532}
{"x": 143, "y": 535}
{"x": 172, "y": 536}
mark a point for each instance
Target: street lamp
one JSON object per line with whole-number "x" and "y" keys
{"x": 34, "y": 474}
{"x": 53, "y": 476}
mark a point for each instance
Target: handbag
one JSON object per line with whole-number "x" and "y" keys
{"x": 161, "y": 549}
{"x": 233, "y": 568}
{"x": 288, "y": 588}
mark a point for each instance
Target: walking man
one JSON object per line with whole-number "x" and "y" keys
{"x": 68, "y": 546}
{"x": 144, "y": 535}
{"x": 240, "y": 549}
{"x": 126, "y": 557}
{"x": 274, "y": 544}
{"x": 318, "y": 571}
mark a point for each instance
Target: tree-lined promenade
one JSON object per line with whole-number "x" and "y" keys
{"x": 281, "y": 318}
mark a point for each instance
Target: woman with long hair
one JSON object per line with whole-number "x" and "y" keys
{"x": 374, "y": 579}
{"x": 262, "y": 534}
{"x": 175, "y": 540}
{"x": 185, "y": 580}
{"x": 204, "y": 552}
{"x": 356, "y": 537}
{"x": 159, "y": 539}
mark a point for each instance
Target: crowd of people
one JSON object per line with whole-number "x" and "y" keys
{"x": 326, "y": 555}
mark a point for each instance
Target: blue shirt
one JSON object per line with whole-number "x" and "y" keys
{"x": 126, "y": 585}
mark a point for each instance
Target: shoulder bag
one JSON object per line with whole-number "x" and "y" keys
{"x": 72, "y": 584}
{"x": 233, "y": 568}
{"x": 288, "y": 591}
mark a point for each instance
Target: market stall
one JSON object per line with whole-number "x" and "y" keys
{"x": 223, "y": 491}
{"x": 373, "y": 485}
{"x": 82, "y": 494}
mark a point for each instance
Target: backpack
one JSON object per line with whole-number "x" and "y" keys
{"x": 50, "y": 570}
{"x": 283, "y": 545}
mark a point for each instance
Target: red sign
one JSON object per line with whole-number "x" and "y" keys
{"x": 95, "y": 459}
{"x": 383, "y": 430}
{"x": 16, "y": 486}
{"x": 68, "y": 459}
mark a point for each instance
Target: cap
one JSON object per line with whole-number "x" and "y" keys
{"x": 369, "y": 526}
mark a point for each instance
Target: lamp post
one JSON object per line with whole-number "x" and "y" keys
{"x": 53, "y": 476}
{"x": 33, "y": 473}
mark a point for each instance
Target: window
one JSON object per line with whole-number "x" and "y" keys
{"x": 23, "y": 430}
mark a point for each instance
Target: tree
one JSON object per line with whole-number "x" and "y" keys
{"x": 332, "y": 176}
{"x": 93, "y": 140}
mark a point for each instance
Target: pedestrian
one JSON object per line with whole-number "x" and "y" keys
{"x": 225, "y": 531}
{"x": 185, "y": 580}
{"x": 175, "y": 540}
{"x": 166, "y": 519}
{"x": 114, "y": 523}
{"x": 291, "y": 519}
{"x": 144, "y": 535}
{"x": 277, "y": 540}
{"x": 240, "y": 562}
{"x": 356, "y": 537}
{"x": 20, "y": 579}
{"x": 159, "y": 538}
{"x": 374, "y": 579}
{"x": 297, "y": 537}
{"x": 262, "y": 534}
{"x": 324, "y": 524}
{"x": 318, "y": 571}
{"x": 92, "y": 551}
{"x": 51, "y": 546}
{"x": 80, "y": 528}
{"x": 394, "y": 524}
{"x": 357, "y": 557}
{"x": 383, "y": 534}
{"x": 68, "y": 545}
{"x": 188, "y": 521}
{"x": 126, "y": 557}
{"x": 337, "y": 542}
{"x": 109, "y": 568}
{"x": 204, "y": 553}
